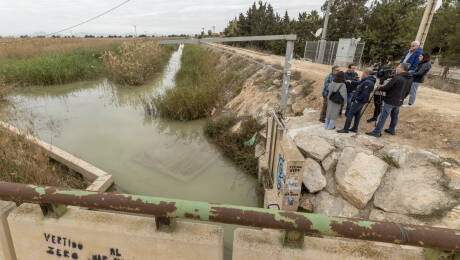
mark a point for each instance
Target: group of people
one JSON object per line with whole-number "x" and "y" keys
{"x": 346, "y": 88}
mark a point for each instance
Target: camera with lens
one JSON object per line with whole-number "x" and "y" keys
{"x": 383, "y": 72}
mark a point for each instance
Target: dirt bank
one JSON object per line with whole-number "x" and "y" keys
{"x": 433, "y": 123}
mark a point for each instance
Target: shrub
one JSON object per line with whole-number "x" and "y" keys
{"x": 219, "y": 131}
{"x": 133, "y": 63}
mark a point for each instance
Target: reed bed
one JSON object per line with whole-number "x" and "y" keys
{"x": 20, "y": 48}
{"x": 134, "y": 63}
{"x": 205, "y": 82}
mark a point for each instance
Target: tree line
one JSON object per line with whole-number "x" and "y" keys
{"x": 387, "y": 26}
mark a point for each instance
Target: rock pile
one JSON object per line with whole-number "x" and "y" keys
{"x": 354, "y": 175}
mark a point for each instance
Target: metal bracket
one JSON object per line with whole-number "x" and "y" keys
{"x": 437, "y": 254}
{"x": 293, "y": 239}
{"x": 53, "y": 210}
{"x": 165, "y": 224}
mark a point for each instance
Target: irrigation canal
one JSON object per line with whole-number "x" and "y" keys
{"x": 106, "y": 125}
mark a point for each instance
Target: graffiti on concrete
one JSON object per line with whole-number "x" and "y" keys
{"x": 62, "y": 247}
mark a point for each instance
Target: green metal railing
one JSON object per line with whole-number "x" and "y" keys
{"x": 166, "y": 210}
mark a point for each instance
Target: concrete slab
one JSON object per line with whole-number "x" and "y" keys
{"x": 84, "y": 234}
{"x": 250, "y": 244}
{"x": 6, "y": 245}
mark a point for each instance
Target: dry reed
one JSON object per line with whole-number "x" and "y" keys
{"x": 136, "y": 62}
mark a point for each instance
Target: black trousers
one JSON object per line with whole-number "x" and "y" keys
{"x": 355, "y": 111}
{"x": 378, "y": 101}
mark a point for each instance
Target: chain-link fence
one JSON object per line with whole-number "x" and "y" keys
{"x": 312, "y": 52}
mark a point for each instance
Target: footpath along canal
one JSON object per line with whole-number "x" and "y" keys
{"x": 105, "y": 125}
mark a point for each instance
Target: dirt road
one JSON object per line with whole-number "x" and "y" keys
{"x": 432, "y": 123}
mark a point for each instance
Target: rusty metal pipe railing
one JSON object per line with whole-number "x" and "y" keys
{"x": 389, "y": 232}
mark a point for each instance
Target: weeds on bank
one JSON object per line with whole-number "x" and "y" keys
{"x": 52, "y": 69}
{"x": 21, "y": 161}
{"x": 202, "y": 84}
{"x": 219, "y": 131}
{"x": 134, "y": 63}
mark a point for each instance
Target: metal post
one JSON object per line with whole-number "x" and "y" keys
{"x": 322, "y": 47}
{"x": 286, "y": 76}
{"x": 305, "y": 51}
{"x": 426, "y": 21}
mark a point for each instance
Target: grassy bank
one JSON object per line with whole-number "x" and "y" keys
{"x": 232, "y": 142}
{"x": 205, "y": 81}
{"x": 21, "y": 161}
{"x": 52, "y": 69}
{"x": 135, "y": 63}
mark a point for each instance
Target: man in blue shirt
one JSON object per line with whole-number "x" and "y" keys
{"x": 359, "y": 99}
{"x": 328, "y": 80}
{"x": 412, "y": 55}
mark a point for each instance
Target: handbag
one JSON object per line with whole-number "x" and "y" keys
{"x": 336, "y": 97}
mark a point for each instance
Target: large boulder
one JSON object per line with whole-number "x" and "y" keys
{"x": 453, "y": 174}
{"x": 452, "y": 218}
{"x": 415, "y": 190}
{"x": 314, "y": 146}
{"x": 313, "y": 177}
{"x": 326, "y": 204}
{"x": 406, "y": 156}
{"x": 306, "y": 202}
{"x": 330, "y": 162}
{"x": 359, "y": 182}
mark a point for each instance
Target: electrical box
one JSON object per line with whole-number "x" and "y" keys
{"x": 346, "y": 51}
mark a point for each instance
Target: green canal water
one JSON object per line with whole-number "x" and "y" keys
{"x": 105, "y": 125}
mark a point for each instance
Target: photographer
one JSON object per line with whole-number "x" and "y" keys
{"x": 396, "y": 91}
{"x": 359, "y": 99}
{"x": 411, "y": 56}
{"x": 351, "y": 78}
{"x": 325, "y": 92}
{"x": 419, "y": 76}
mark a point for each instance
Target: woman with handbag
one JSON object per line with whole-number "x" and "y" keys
{"x": 336, "y": 98}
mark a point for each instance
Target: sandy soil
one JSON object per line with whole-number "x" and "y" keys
{"x": 432, "y": 123}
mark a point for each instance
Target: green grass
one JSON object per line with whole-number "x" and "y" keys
{"x": 52, "y": 69}
{"x": 203, "y": 83}
{"x": 232, "y": 143}
{"x": 197, "y": 86}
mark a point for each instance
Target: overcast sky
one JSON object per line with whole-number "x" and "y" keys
{"x": 150, "y": 16}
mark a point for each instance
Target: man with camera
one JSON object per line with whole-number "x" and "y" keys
{"x": 396, "y": 90}
{"x": 359, "y": 99}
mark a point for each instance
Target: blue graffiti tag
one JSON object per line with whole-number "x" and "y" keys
{"x": 280, "y": 174}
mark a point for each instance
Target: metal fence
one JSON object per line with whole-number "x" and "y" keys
{"x": 312, "y": 52}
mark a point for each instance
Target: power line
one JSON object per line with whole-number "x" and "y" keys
{"x": 90, "y": 19}
{"x": 86, "y": 21}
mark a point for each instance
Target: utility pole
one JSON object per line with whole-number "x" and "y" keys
{"x": 426, "y": 22}
{"x": 135, "y": 31}
{"x": 322, "y": 47}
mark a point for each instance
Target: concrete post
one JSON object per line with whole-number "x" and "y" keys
{"x": 6, "y": 244}
{"x": 286, "y": 76}
{"x": 322, "y": 47}
{"x": 426, "y": 22}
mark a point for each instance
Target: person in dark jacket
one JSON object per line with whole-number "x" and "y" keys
{"x": 350, "y": 76}
{"x": 419, "y": 76}
{"x": 359, "y": 99}
{"x": 325, "y": 92}
{"x": 396, "y": 91}
{"x": 411, "y": 56}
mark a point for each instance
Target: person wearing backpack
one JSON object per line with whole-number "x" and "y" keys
{"x": 360, "y": 98}
{"x": 337, "y": 96}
